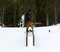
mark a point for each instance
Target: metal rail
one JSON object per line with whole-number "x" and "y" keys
{"x": 27, "y": 38}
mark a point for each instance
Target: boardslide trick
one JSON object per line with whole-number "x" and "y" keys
{"x": 29, "y": 33}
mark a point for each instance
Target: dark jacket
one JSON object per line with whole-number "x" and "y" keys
{"x": 27, "y": 16}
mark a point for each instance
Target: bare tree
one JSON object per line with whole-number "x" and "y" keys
{"x": 2, "y": 15}
{"x": 35, "y": 9}
{"x": 24, "y": 11}
{"x": 47, "y": 19}
{"x": 14, "y": 14}
{"x": 33, "y": 6}
{"x": 47, "y": 16}
{"x": 55, "y": 13}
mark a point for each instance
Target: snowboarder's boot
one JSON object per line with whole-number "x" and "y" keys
{"x": 27, "y": 31}
{"x": 30, "y": 30}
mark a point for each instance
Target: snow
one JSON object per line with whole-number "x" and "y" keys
{"x": 13, "y": 39}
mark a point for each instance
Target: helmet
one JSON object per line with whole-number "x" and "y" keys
{"x": 29, "y": 11}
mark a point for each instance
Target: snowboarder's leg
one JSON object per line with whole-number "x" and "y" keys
{"x": 31, "y": 25}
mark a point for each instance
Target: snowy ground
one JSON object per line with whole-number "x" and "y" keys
{"x": 14, "y": 39}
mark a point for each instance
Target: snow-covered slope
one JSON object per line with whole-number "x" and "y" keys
{"x": 14, "y": 39}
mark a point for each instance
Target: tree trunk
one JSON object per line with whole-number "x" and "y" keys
{"x": 2, "y": 15}
{"x": 47, "y": 20}
{"x": 47, "y": 17}
{"x": 14, "y": 15}
{"x": 25, "y": 7}
{"x": 55, "y": 16}
{"x": 32, "y": 19}
{"x": 24, "y": 12}
{"x": 35, "y": 10}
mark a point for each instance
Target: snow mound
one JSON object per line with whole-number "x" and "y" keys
{"x": 58, "y": 24}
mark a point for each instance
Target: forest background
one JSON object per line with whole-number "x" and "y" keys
{"x": 47, "y": 12}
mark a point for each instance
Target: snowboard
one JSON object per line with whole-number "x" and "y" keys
{"x": 29, "y": 31}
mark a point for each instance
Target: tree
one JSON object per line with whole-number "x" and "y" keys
{"x": 13, "y": 14}
{"x": 4, "y": 4}
{"x": 57, "y": 6}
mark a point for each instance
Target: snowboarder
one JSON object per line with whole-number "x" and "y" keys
{"x": 27, "y": 20}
